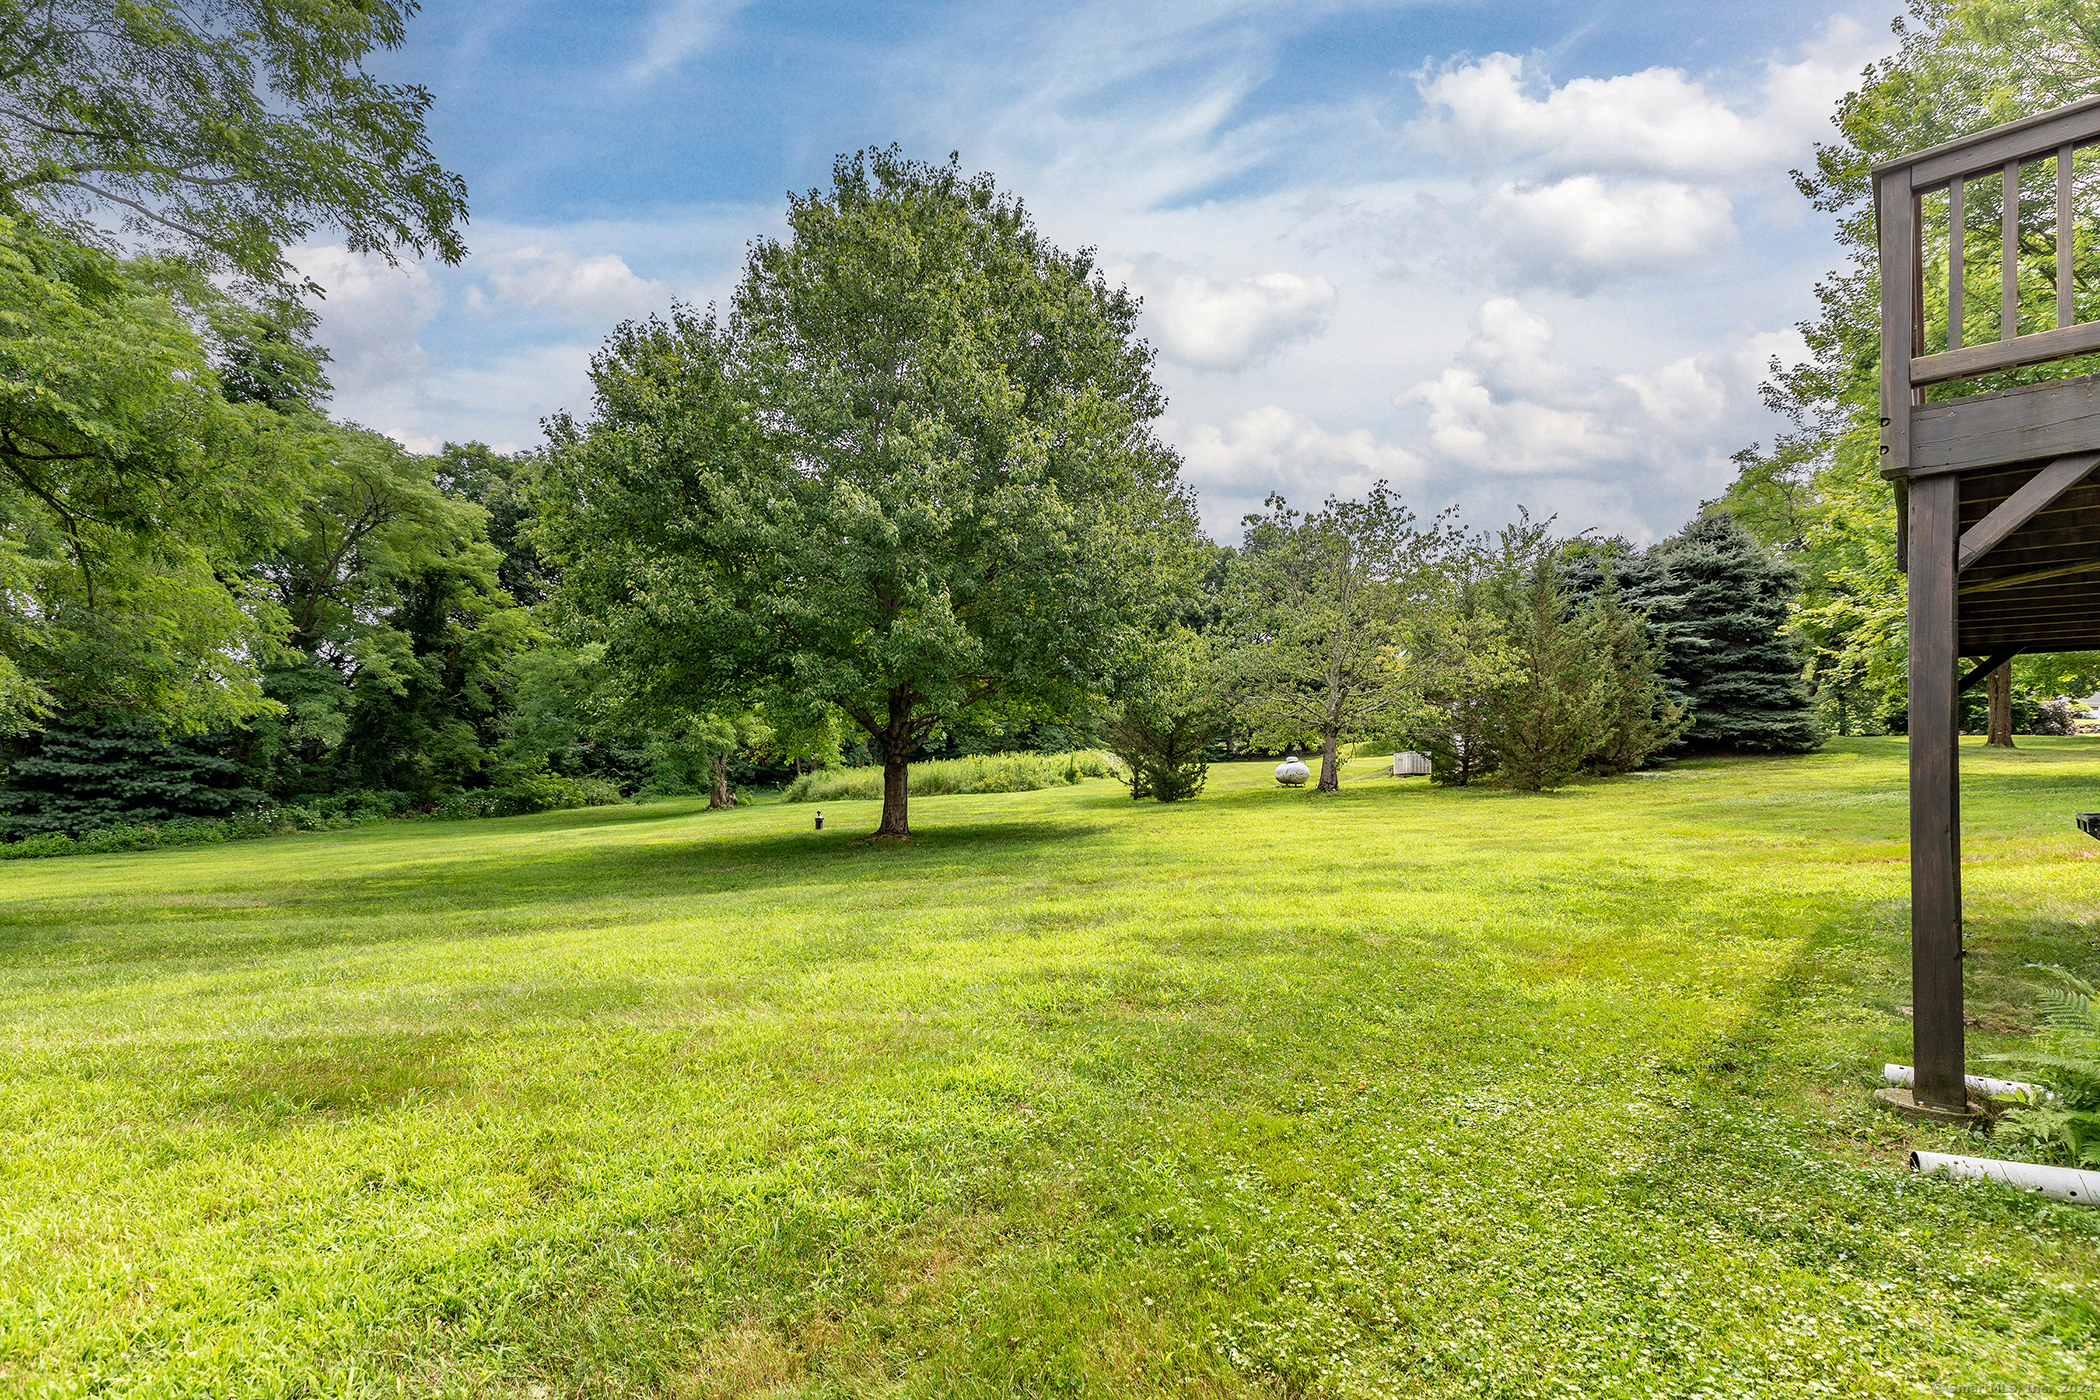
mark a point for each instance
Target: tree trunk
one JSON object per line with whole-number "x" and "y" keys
{"x": 897, "y": 742}
{"x": 896, "y": 793}
{"x": 720, "y": 795}
{"x": 1999, "y": 686}
{"x": 1330, "y": 765}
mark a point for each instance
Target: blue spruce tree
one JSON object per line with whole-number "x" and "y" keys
{"x": 1719, "y": 602}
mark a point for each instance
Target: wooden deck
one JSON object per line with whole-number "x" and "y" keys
{"x": 1998, "y": 485}
{"x": 2001, "y": 499}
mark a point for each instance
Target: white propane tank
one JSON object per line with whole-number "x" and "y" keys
{"x": 1292, "y": 773}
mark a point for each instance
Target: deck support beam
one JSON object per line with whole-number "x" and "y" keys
{"x": 1986, "y": 666}
{"x": 1938, "y": 1050}
{"x": 2024, "y": 505}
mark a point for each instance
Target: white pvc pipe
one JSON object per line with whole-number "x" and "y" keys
{"x": 1989, "y": 1088}
{"x": 2057, "y": 1183}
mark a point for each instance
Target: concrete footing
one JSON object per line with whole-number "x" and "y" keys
{"x": 1898, "y": 1101}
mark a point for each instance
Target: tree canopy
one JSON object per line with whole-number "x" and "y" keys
{"x": 1817, "y": 494}
{"x": 226, "y": 131}
{"x": 133, "y": 493}
{"x": 1324, "y": 601}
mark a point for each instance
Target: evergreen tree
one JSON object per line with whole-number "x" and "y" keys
{"x": 1559, "y": 706}
{"x": 1166, "y": 718}
{"x": 1720, "y": 603}
{"x": 1641, "y": 718}
{"x": 82, "y": 776}
{"x": 1466, "y": 653}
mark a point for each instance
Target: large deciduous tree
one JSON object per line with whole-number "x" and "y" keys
{"x": 911, "y": 474}
{"x": 225, "y": 130}
{"x": 133, "y": 494}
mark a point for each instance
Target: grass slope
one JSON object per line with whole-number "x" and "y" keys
{"x": 1397, "y": 1092}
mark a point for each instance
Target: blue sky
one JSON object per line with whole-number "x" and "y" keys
{"x": 1498, "y": 254}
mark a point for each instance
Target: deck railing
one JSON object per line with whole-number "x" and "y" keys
{"x": 1955, "y": 171}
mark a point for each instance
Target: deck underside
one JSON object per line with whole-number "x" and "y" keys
{"x": 2038, "y": 589}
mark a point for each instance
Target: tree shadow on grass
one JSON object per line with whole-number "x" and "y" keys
{"x": 491, "y": 891}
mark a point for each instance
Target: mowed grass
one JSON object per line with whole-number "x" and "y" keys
{"x": 1400, "y": 1092}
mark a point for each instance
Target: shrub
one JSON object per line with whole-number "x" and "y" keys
{"x": 106, "y": 839}
{"x": 1003, "y": 772}
{"x": 253, "y": 822}
{"x": 54, "y": 845}
{"x": 2055, "y": 716}
{"x": 193, "y": 831}
{"x": 540, "y": 792}
{"x": 329, "y": 813}
{"x": 1163, "y": 750}
{"x": 463, "y": 806}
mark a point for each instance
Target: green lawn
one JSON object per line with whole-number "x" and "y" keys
{"x": 1401, "y": 1092}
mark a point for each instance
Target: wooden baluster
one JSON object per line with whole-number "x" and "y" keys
{"x": 1957, "y": 215}
{"x": 2009, "y": 254}
{"x": 2065, "y": 311}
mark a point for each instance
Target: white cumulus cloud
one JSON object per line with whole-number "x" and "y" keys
{"x": 1511, "y": 406}
{"x": 1658, "y": 121}
{"x": 1471, "y": 425}
{"x": 596, "y": 289}
{"x": 1272, "y": 448}
{"x": 1655, "y": 120}
{"x": 1583, "y": 230}
{"x": 1233, "y": 325}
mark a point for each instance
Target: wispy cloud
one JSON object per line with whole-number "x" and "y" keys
{"x": 1481, "y": 274}
{"x": 677, "y": 32}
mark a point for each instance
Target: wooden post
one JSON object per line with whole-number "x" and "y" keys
{"x": 1935, "y": 797}
{"x": 1896, "y": 213}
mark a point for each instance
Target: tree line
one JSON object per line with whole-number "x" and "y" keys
{"x": 902, "y": 496}
{"x": 1515, "y": 658}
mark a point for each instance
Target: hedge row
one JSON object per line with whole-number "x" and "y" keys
{"x": 330, "y": 814}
